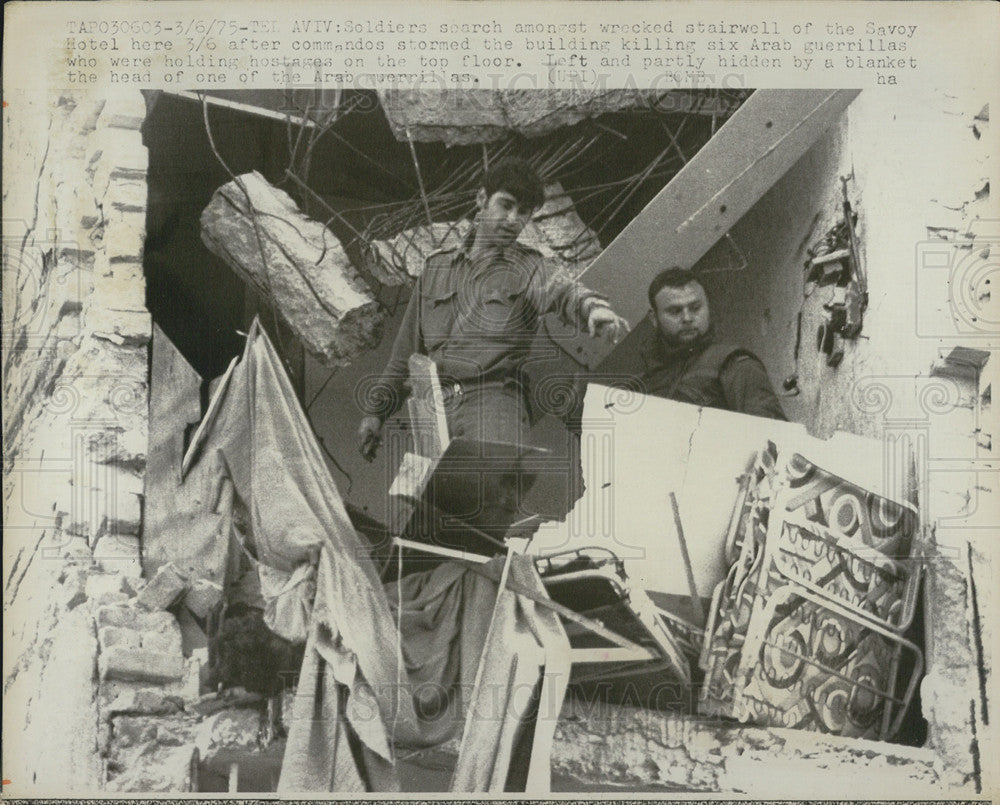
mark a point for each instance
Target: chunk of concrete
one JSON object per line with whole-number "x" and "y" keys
{"x": 202, "y": 597}
{"x": 296, "y": 264}
{"x": 74, "y": 587}
{"x": 141, "y": 665}
{"x": 148, "y": 702}
{"x": 555, "y": 230}
{"x": 115, "y": 636}
{"x": 166, "y": 586}
{"x": 119, "y": 553}
{"x": 230, "y": 730}
{"x": 131, "y": 618}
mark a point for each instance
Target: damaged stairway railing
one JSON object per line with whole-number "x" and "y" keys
{"x": 593, "y": 580}
{"x": 440, "y": 476}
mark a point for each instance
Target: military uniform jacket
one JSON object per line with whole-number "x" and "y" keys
{"x": 476, "y": 319}
{"x": 716, "y": 375}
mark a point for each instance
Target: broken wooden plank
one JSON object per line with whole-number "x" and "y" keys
{"x": 298, "y": 266}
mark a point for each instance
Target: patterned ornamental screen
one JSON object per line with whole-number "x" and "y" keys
{"x": 806, "y": 630}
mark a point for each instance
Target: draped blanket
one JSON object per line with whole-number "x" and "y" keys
{"x": 383, "y": 668}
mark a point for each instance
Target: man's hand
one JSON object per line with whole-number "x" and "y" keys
{"x": 603, "y": 322}
{"x": 369, "y": 436}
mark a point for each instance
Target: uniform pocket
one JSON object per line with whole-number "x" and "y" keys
{"x": 500, "y": 314}
{"x": 438, "y": 317}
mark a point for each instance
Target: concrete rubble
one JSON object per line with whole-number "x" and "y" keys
{"x": 298, "y": 266}
{"x": 462, "y": 117}
{"x": 635, "y": 747}
{"x": 556, "y": 230}
{"x": 153, "y": 728}
{"x": 166, "y": 586}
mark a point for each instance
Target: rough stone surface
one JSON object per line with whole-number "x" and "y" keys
{"x": 132, "y": 618}
{"x": 239, "y": 730}
{"x": 166, "y": 586}
{"x": 555, "y": 230}
{"x": 304, "y": 271}
{"x": 140, "y": 665}
{"x": 74, "y": 405}
{"x": 123, "y": 691}
{"x": 152, "y": 740}
{"x": 150, "y": 754}
{"x": 139, "y": 646}
{"x": 202, "y": 597}
{"x": 50, "y": 721}
{"x": 463, "y": 117}
{"x": 948, "y": 691}
{"x": 100, "y": 584}
{"x": 119, "y": 553}
{"x": 149, "y": 702}
{"x": 634, "y": 747}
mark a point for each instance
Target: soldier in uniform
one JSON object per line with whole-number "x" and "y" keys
{"x": 475, "y": 312}
{"x": 683, "y": 361}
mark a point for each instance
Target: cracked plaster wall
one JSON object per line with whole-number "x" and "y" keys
{"x": 919, "y": 170}
{"x": 75, "y": 423}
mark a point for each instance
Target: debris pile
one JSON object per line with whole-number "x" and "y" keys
{"x": 556, "y": 230}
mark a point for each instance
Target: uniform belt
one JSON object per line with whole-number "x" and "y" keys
{"x": 452, "y": 390}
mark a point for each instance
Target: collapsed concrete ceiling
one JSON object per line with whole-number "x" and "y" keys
{"x": 466, "y": 117}
{"x": 462, "y": 117}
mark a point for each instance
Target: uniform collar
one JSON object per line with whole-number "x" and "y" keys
{"x": 657, "y": 350}
{"x": 463, "y": 250}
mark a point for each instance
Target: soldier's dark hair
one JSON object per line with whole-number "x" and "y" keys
{"x": 515, "y": 176}
{"x": 673, "y": 277}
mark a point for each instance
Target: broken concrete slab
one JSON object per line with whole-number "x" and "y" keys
{"x": 140, "y": 665}
{"x": 556, "y": 230}
{"x": 635, "y": 747}
{"x": 296, "y": 264}
{"x": 202, "y": 597}
{"x": 111, "y": 690}
{"x": 230, "y": 729}
{"x": 463, "y": 117}
{"x": 131, "y": 618}
{"x": 119, "y": 553}
{"x": 126, "y": 629}
{"x": 166, "y": 586}
{"x": 111, "y": 636}
{"x": 400, "y": 260}
{"x": 145, "y": 702}
{"x": 99, "y": 585}
{"x": 155, "y": 754}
